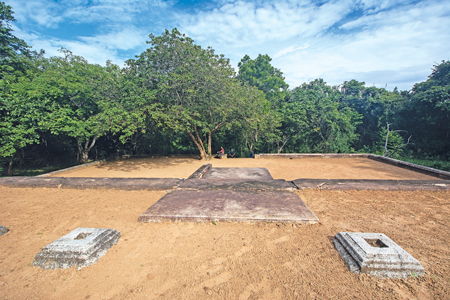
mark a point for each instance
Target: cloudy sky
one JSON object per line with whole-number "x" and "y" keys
{"x": 384, "y": 43}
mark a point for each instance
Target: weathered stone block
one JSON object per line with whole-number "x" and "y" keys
{"x": 376, "y": 254}
{"x": 3, "y": 230}
{"x": 82, "y": 247}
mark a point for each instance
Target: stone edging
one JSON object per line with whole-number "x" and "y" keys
{"x": 161, "y": 184}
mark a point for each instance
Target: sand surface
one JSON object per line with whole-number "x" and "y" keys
{"x": 182, "y": 260}
{"x": 279, "y": 168}
{"x": 224, "y": 261}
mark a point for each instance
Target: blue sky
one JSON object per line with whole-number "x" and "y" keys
{"x": 381, "y": 42}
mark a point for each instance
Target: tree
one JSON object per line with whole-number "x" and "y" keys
{"x": 194, "y": 90}
{"x": 74, "y": 101}
{"x": 261, "y": 74}
{"x": 18, "y": 65}
{"x": 427, "y": 113}
{"x": 18, "y": 120}
{"x": 257, "y": 120}
{"x": 13, "y": 51}
{"x": 330, "y": 126}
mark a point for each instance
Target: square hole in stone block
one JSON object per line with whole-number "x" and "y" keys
{"x": 82, "y": 247}
{"x": 377, "y": 243}
{"x": 376, "y": 254}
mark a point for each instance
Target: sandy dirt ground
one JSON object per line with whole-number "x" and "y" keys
{"x": 224, "y": 261}
{"x": 280, "y": 168}
{"x": 183, "y": 260}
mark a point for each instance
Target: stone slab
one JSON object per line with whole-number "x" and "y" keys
{"x": 24, "y": 181}
{"x": 3, "y": 230}
{"x": 369, "y": 184}
{"x": 225, "y": 205}
{"x": 81, "y": 248}
{"x": 239, "y": 173}
{"x": 238, "y": 185}
{"x": 376, "y": 254}
{"x": 201, "y": 171}
{"x": 150, "y": 184}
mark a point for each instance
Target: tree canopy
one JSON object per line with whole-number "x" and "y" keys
{"x": 177, "y": 97}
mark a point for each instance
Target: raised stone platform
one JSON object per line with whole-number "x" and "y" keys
{"x": 376, "y": 254}
{"x": 225, "y": 205}
{"x": 81, "y": 248}
{"x": 238, "y": 173}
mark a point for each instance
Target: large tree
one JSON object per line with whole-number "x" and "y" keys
{"x": 329, "y": 126}
{"x": 427, "y": 113}
{"x": 18, "y": 121}
{"x": 194, "y": 90}
{"x": 78, "y": 100}
{"x": 14, "y": 52}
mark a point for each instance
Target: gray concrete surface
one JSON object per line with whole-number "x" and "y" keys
{"x": 201, "y": 171}
{"x": 238, "y": 184}
{"x": 376, "y": 254}
{"x": 225, "y": 205}
{"x": 81, "y": 248}
{"x": 239, "y": 173}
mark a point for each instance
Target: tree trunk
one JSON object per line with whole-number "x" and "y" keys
{"x": 209, "y": 144}
{"x": 83, "y": 152}
{"x": 199, "y": 145}
{"x": 10, "y": 164}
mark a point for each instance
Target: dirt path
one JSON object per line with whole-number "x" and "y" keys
{"x": 224, "y": 261}
{"x": 280, "y": 168}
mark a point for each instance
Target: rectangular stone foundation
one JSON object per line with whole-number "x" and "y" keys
{"x": 82, "y": 247}
{"x": 226, "y": 205}
{"x": 376, "y": 254}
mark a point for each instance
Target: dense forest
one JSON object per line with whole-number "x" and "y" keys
{"x": 179, "y": 98}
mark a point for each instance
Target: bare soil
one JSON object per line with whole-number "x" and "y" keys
{"x": 182, "y": 260}
{"x": 279, "y": 168}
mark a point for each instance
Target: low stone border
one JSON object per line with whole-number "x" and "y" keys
{"x": 411, "y": 166}
{"x": 150, "y": 184}
{"x": 308, "y": 155}
{"x": 369, "y": 184}
{"x": 202, "y": 171}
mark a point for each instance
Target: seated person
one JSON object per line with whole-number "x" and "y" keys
{"x": 232, "y": 153}
{"x": 220, "y": 153}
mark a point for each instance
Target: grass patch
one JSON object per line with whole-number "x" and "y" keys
{"x": 432, "y": 163}
{"x": 39, "y": 171}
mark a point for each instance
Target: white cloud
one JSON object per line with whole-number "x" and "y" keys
{"x": 245, "y": 24}
{"x": 289, "y": 49}
{"x": 397, "y": 47}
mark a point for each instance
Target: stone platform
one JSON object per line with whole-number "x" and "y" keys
{"x": 376, "y": 254}
{"x": 238, "y": 173}
{"x": 81, "y": 248}
{"x": 226, "y": 205}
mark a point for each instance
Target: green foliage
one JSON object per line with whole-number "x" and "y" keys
{"x": 261, "y": 74}
{"x": 427, "y": 113}
{"x": 14, "y": 52}
{"x": 436, "y": 163}
{"x": 175, "y": 96}
{"x": 328, "y": 127}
